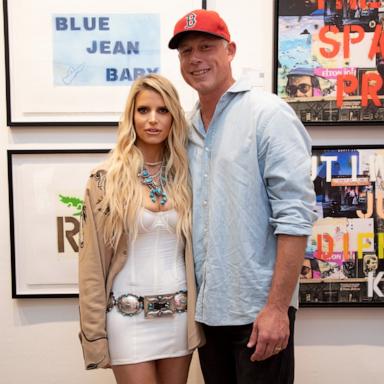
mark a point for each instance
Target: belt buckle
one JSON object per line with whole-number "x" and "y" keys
{"x": 129, "y": 305}
{"x": 159, "y": 305}
{"x": 181, "y": 301}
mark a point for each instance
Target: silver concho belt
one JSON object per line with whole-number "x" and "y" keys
{"x": 153, "y": 306}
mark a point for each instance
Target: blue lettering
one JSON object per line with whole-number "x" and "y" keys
{"x": 104, "y": 23}
{"x": 61, "y": 24}
{"x": 137, "y": 72}
{"x": 105, "y": 46}
{"x": 72, "y": 22}
{"x": 133, "y": 48}
{"x": 89, "y": 26}
{"x": 111, "y": 74}
{"x": 125, "y": 75}
{"x": 85, "y": 23}
{"x": 118, "y": 48}
{"x": 92, "y": 48}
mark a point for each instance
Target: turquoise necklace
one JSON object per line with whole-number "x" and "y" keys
{"x": 155, "y": 182}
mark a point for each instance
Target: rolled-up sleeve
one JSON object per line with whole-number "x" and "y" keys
{"x": 286, "y": 158}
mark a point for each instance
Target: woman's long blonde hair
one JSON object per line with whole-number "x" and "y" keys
{"x": 123, "y": 191}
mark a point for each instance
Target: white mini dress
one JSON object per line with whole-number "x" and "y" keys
{"x": 155, "y": 266}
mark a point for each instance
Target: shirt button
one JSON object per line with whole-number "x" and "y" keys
{"x": 205, "y": 229}
{"x": 206, "y": 149}
{"x": 205, "y": 202}
{"x": 206, "y": 175}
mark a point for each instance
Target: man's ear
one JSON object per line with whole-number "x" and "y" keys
{"x": 231, "y": 47}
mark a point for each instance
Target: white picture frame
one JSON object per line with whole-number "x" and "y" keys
{"x": 59, "y": 52}
{"x": 46, "y": 189}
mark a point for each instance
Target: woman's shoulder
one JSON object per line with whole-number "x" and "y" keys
{"x": 97, "y": 176}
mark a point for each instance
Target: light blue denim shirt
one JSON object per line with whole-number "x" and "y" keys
{"x": 251, "y": 181}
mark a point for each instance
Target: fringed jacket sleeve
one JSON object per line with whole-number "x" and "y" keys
{"x": 94, "y": 261}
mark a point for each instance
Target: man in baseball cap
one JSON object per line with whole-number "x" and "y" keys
{"x": 207, "y": 31}
{"x": 253, "y": 204}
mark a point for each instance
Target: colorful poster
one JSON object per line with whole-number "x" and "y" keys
{"x": 344, "y": 259}
{"x": 330, "y": 59}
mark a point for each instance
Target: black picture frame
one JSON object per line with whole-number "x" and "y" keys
{"x": 45, "y": 200}
{"x": 347, "y": 242}
{"x": 333, "y": 89}
{"x": 42, "y": 88}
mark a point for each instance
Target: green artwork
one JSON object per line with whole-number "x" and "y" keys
{"x": 74, "y": 202}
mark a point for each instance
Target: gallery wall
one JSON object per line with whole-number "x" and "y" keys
{"x": 39, "y": 336}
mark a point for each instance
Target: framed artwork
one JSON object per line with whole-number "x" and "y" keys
{"x": 344, "y": 259}
{"x": 329, "y": 60}
{"x": 46, "y": 189}
{"x": 252, "y": 31}
{"x": 72, "y": 62}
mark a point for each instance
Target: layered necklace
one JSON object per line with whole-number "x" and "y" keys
{"x": 155, "y": 180}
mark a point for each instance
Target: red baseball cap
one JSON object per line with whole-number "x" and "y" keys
{"x": 199, "y": 20}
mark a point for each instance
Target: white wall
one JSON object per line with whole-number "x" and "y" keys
{"x": 39, "y": 341}
{"x": 39, "y": 336}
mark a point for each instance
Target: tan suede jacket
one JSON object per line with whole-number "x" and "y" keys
{"x": 98, "y": 266}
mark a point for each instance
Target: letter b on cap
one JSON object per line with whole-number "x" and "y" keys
{"x": 190, "y": 20}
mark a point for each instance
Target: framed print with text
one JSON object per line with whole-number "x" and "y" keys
{"x": 46, "y": 189}
{"x": 344, "y": 259}
{"x": 72, "y": 62}
{"x": 329, "y": 60}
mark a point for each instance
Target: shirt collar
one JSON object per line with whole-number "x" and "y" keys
{"x": 243, "y": 84}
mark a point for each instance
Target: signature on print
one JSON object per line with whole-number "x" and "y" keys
{"x": 72, "y": 72}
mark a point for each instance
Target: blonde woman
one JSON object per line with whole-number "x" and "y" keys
{"x": 137, "y": 284}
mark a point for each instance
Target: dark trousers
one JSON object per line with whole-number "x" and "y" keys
{"x": 225, "y": 358}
